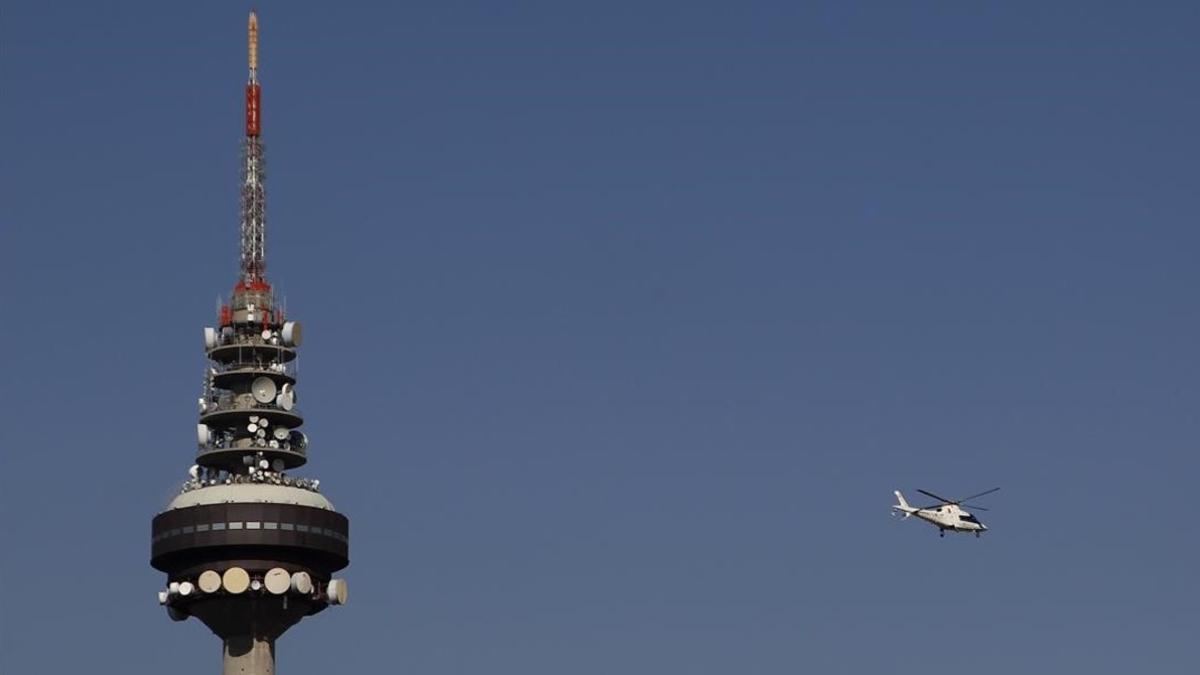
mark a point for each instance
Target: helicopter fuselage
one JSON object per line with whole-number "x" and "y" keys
{"x": 951, "y": 517}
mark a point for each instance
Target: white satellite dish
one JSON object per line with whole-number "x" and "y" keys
{"x": 263, "y": 423}
{"x": 261, "y": 433}
{"x": 302, "y": 583}
{"x": 281, "y": 433}
{"x": 266, "y": 334}
{"x": 209, "y": 581}
{"x": 277, "y": 580}
{"x": 254, "y": 418}
{"x": 173, "y": 588}
{"x": 203, "y": 405}
{"x": 263, "y": 389}
{"x": 186, "y": 588}
{"x": 273, "y": 443}
{"x": 194, "y": 471}
{"x": 292, "y": 335}
{"x": 287, "y": 396}
{"x": 336, "y": 591}
{"x": 203, "y": 434}
{"x": 263, "y": 463}
{"x": 162, "y": 597}
{"x": 252, "y": 428}
{"x": 256, "y": 585}
{"x": 210, "y": 337}
{"x": 235, "y": 580}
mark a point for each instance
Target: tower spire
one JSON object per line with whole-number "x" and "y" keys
{"x": 254, "y": 197}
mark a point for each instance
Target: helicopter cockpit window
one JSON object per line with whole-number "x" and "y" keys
{"x": 968, "y": 517}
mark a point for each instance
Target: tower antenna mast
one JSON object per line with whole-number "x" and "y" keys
{"x": 254, "y": 197}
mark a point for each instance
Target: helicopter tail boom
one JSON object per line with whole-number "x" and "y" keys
{"x": 902, "y": 505}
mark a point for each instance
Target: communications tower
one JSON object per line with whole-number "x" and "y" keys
{"x": 248, "y": 548}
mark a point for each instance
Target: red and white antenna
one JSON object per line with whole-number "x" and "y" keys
{"x": 254, "y": 198}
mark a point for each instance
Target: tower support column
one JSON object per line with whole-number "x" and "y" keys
{"x": 245, "y": 655}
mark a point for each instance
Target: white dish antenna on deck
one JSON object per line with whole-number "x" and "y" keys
{"x": 336, "y": 591}
{"x": 292, "y": 335}
{"x": 287, "y": 397}
{"x": 235, "y": 580}
{"x": 277, "y": 580}
{"x": 263, "y": 389}
{"x": 302, "y": 583}
{"x": 209, "y": 581}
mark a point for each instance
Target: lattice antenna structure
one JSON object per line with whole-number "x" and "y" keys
{"x": 254, "y": 195}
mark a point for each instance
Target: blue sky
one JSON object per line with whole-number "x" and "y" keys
{"x": 622, "y": 323}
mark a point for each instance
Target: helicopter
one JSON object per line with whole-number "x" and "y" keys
{"x": 947, "y": 514}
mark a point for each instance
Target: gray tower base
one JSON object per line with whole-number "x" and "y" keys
{"x": 249, "y": 656}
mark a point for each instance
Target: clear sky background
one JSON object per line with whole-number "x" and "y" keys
{"x": 623, "y": 321}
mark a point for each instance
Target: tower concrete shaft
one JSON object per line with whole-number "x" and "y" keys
{"x": 249, "y": 549}
{"x": 248, "y": 656}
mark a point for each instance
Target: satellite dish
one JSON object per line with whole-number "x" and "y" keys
{"x": 302, "y": 583}
{"x": 300, "y": 439}
{"x": 287, "y": 401}
{"x": 203, "y": 434}
{"x": 256, "y": 585}
{"x": 203, "y": 405}
{"x": 292, "y": 335}
{"x": 263, "y": 422}
{"x": 173, "y": 588}
{"x": 266, "y": 334}
{"x": 277, "y": 580}
{"x": 194, "y": 471}
{"x": 210, "y": 337}
{"x": 263, "y": 463}
{"x": 162, "y": 597}
{"x": 209, "y": 581}
{"x": 263, "y": 389}
{"x": 186, "y": 588}
{"x": 336, "y": 591}
{"x": 254, "y": 418}
{"x": 235, "y": 580}
{"x": 261, "y": 433}
{"x": 277, "y": 465}
{"x": 252, "y": 428}
{"x": 281, "y": 433}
